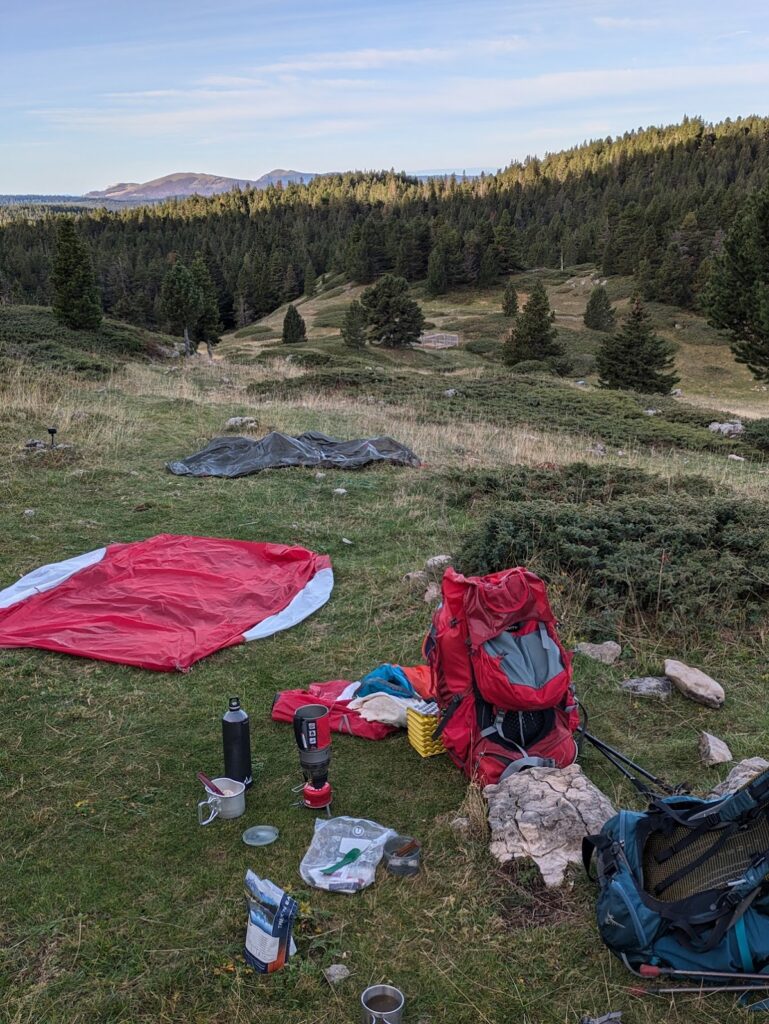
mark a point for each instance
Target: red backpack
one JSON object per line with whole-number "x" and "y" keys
{"x": 502, "y": 678}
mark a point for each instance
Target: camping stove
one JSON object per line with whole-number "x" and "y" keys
{"x": 312, "y": 731}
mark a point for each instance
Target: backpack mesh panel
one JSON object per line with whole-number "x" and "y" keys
{"x": 524, "y": 728}
{"x": 724, "y": 866}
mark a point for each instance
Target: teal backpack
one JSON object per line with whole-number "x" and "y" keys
{"x": 684, "y": 886}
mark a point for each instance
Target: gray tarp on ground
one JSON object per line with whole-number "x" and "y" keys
{"x": 239, "y": 456}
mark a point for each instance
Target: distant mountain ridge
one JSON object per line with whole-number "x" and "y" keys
{"x": 189, "y": 183}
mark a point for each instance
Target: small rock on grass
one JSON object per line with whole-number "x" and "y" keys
{"x": 240, "y": 423}
{"x": 336, "y": 973}
{"x": 29, "y": 512}
{"x": 432, "y": 594}
{"x": 341, "y": 491}
{"x": 438, "y": 563}
{"x": 713, "y": 750}
{"x": 694, "y": 684}
{"x": 320, "y": 476}
{"x": 607, "y": 653}
{"x": 648, "y": 686}
{"x": 416, "y": 579}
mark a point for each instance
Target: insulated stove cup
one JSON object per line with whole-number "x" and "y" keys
{"x": 383, "y": 1003}
{"x": 231, "y": 805}
{"x": 312, "y": 731}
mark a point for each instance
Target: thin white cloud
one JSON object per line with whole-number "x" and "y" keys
{"x": 375, "y": 59}
{"x": 630, "y": 24}
{"x": 308, "y": 101}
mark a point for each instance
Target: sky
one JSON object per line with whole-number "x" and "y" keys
{"x": 92, "y": 93}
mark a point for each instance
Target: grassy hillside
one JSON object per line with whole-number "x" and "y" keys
{"x": 33, "y": 335}
{"x": 117, "y": 906}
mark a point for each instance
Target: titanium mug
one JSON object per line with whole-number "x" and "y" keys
{"x": 231, "y": 805}
{"x": 382, "y": 1003}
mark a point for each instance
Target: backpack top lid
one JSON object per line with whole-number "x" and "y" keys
{"x": 491, "y": 604}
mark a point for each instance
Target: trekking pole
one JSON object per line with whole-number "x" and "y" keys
{"x": 651, "y": 971}
{"x": 701, "y": 990}
{"x": 622, "y": 763}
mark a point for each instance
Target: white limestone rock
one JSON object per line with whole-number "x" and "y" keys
{"x": 694, "y": 684}
{"x": 543, "y": 814}
{"x": 648, "y": 686}
{"x": 742, "y": 773}
{"x": 607, "y": 653}
{"x": 713, "y": 750}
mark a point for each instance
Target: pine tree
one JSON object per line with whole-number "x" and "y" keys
{"x": 599, "y": 315}
{"x": 310, "y": 280}
{"x": 291, "y": 289}
{"x": 489, "y": 269}
{"x": 635, "y": 358}
{"x": 394, "y": 319}
{"x": 737, "y": 297}
{"x": 76, "y": 300}
{"x": 294, "y": 328}
{"x": 180, "y": 303}
{"x": 354, "y": 325}
{"x": 437, "y": 278}
{"x": 510, "y": 300}
{"x": 206, "y": 327}
{"x": 508, "y": 250}
{"x": 534, "y": 338}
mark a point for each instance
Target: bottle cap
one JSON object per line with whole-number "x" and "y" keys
{"x": 234, "y": 703}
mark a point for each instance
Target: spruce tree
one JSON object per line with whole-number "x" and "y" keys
{"x": 599, "y": 315}
{"x": 437, "y": 277}
{"x": 310, "y": 280}
{"x": 508, "y": 250}
{"x": 533, "y": 337}
{"x": 294, "y": 327}
{"x": 635, "y": 358}
{"x": 394, "y": 319}
{"x": 737, "y": 297}
{"x": 180, "y": 303}
{"x": 354, "y": 326}
{"x": 206, "y": 327}
{"x": 510, "y": 300}
{"x": 76, "y": 301}
{"x": 489, "y": 268}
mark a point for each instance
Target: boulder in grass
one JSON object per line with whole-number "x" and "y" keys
{"x": 437, "y": 564}
{"x": 607, "y": 653}
{"x": 713, "y": 750}
{"x": 240, "y": 423}
{"x": 732, "y": 428}
{"x": 543, "y": 814}
{"x": 648, "y": 686}
{"x": 742, "y": 773}
{"x": 694, "y": 684}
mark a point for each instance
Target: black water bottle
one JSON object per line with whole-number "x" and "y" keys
{"x": 236, "y": 738}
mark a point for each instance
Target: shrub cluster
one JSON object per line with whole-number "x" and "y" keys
{"x": 508, "y": 399}
{"x": 577, "y": 483}
{"x": 757, "y": 434}
{"x": 688, "y": 563}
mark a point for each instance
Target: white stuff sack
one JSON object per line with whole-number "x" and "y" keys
{"x": 333, "y": 839}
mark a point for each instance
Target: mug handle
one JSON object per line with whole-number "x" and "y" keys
{"x": 213, "y": 802}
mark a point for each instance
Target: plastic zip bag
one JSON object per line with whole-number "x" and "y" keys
{"x": 331, "y": 861}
